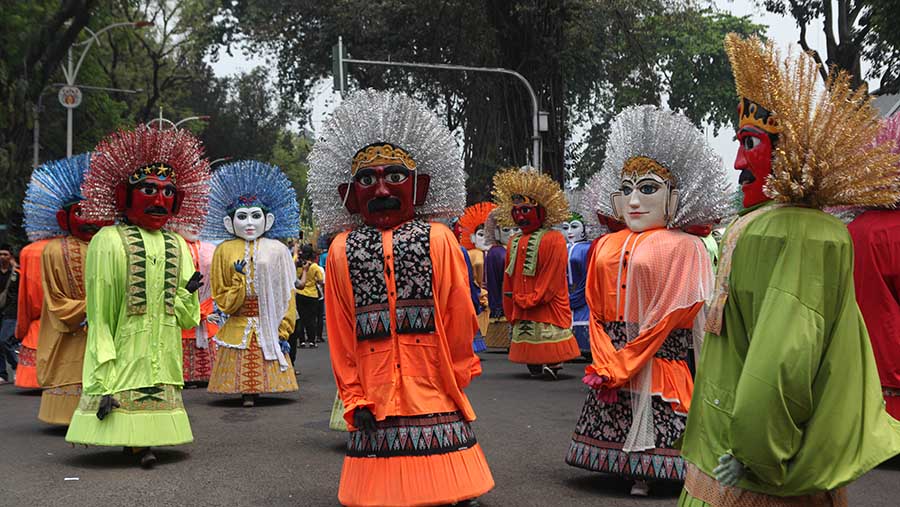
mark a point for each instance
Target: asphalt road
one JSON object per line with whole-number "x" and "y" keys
{"x": 282, "y": 453}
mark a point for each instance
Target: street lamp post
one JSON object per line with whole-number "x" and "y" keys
{"x": 70, "y": 95}
{"x": 174, "y": 125}
{"x": 39, "y": 108}
{"x": 539, "y": 119}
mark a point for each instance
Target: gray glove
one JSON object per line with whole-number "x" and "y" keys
{"x": 729, "y": 471}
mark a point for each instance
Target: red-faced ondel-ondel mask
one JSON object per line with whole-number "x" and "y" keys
{"x": 386, "y": 187}
{"x": 150, "y": 197}
{"x": 757, "y": 134}
{"x": 527, "y": 213}
{"x": 72, "y": 220}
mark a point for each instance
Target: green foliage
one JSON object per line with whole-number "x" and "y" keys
{"x": 586, "y": 59}
{"x": 852, "y": 30}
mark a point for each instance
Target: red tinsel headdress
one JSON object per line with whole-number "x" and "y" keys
{"x": 121, "y": 154}
{"x": 474, "y": 216}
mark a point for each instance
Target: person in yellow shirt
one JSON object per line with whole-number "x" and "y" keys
{"x": 310, "y": 278}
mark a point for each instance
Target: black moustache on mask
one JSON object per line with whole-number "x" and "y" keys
{"x": 156, "y": 210}
{"x": 383, "y": 203}
{"x": 746, "y": 177}
{"x": 88, "y": 228}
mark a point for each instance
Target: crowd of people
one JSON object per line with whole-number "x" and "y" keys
{"x": 739, "y": 365}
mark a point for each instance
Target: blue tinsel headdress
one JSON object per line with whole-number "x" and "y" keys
{"x": 248, "y": 183}
{"x": 53, "y": 185}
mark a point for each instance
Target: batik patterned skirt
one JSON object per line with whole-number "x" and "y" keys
{"x": 499, "y": 334}
{"x": 26, "y": 371}
{"x": 246, "y": 371}
{"x": 603, "y": 427}
{"x": 416, "y": 460}
{"x": 198, "y": 363}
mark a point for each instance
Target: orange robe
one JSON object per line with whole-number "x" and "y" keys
{"x": 537, "y": 303}
{"x": 644, "y": 291}
{"x": 671, "y": 378}
{"x": 28, "y": 319}
{"x": 406, "y": 378}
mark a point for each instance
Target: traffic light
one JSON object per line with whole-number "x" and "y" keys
{"x": 338, "y": 67}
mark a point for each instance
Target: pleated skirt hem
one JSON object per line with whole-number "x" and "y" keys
{"x": 58, "y": 404}
{"x": 439, "y": 479}
{"x": 131, "y": 429}
{"x": 544, "y": 353}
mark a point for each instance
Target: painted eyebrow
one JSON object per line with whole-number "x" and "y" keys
{"x": 647, "y": 179}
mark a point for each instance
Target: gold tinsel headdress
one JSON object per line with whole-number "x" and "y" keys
{"x": 824, "y": 155}
{"x": 535, "y": 187}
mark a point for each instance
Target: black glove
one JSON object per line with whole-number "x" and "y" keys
{"x": 364, "y": 420}
{"x": 195, "y": 282}
{"x": 107, "y": 404}
{"x": 239, "y": 266}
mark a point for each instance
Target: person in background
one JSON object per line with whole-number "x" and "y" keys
{"x": 310, "y": 278}
{"x": 9, "y": 295}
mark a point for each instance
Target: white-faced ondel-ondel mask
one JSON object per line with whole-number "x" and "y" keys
{"x": 504, "y": 233}
{"x": 575, "y": 231}
{"x": 480, "y": 240}
{"x": 249, "y": 223}
{"x": 645, "y": 201}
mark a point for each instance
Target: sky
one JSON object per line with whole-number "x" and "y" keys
{"x": 782, "y": 30}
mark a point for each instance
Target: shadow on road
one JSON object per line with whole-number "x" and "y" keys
{"x": 891, "y": 464}
{"x": 117, "y": 459}
{"x": 231, "y": 402}
{"x": 608, "y": 485}
{"x": 55, "y": 431}
{"x": 28, "y": 392}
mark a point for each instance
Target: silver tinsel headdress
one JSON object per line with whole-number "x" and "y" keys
{"x": 368, "y": 117}
{"x": 673, "y": 142}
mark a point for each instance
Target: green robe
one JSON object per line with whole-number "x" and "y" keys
{"x": 791, "y": 388}
{"x": 136, "y": 308}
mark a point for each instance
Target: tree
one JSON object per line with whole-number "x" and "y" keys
{"x": 246, "y": 116}
{"x": 852, "y": 31}
{"x": 34, "y": 37}
{"x": 161, "y": 60}
{"x": 586, "y": 60}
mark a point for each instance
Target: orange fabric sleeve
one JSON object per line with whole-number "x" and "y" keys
{"x": 620, "y": 365}
{"x": 31, "y": 294}
{"x": 552, "y": 261}
{"x": 340, "y": 322}
{"x": 453, "y": 300}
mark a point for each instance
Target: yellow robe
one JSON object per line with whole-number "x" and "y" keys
{"x": 476, "y": 257}
{"x": 60, "y": 351}
{"x": 240, "y": 366}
